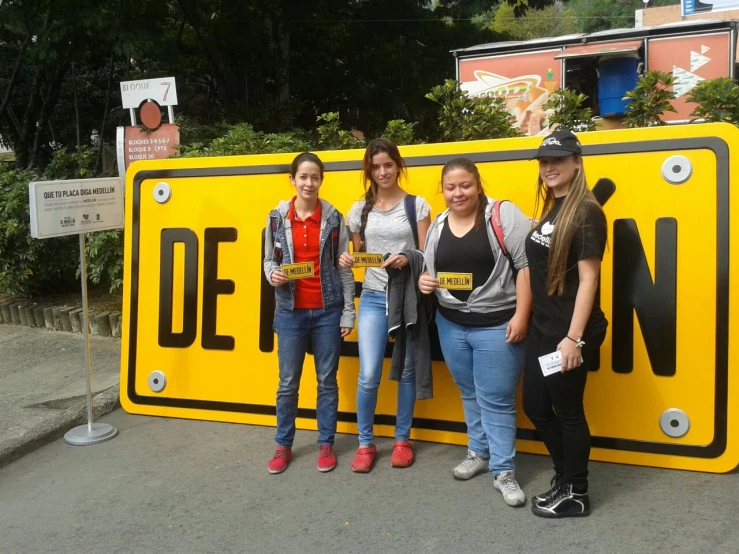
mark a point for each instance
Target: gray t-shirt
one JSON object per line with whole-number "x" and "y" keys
{"x": 386, "y": 232}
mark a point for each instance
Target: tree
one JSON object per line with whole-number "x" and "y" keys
{"x": 601, "y": 15}
{"x": 551, "y": 21}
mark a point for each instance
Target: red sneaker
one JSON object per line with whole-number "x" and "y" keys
{"x": 280, "y": 460}
{"x": 402, "y": 454}
{"x": 364, "y": 459}
{"x": 326, "y": 458}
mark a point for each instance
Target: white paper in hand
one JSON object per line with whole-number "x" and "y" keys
{"x": 551, "y": 363}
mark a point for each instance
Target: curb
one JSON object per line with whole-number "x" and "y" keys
{"x": 59, "y": 318}
{"x": 48, "y": 431}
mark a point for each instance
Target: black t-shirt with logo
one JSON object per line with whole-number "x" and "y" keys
{"x": 553, "y": 314}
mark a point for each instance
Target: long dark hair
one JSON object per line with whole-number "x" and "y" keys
{"x": 375, "y": 147}
{"x": 469, "y": 166}
{"x": 305, "y": 157}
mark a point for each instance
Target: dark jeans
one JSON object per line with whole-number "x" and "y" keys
{"x": 554, "y": 404}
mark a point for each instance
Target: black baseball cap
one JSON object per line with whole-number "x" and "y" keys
{"x": 559, "y": 144}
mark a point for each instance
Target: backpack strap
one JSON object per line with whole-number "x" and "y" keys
{"x": 276, "y": 246}
{"x": 410, "y": 212}
{"x": 335, "y": 221}
{"x": 500, "y": 236}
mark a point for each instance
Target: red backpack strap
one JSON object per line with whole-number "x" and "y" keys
{"x": 497, "y": 226}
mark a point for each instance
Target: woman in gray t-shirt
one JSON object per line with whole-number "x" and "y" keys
{"x": 379, "y": 225}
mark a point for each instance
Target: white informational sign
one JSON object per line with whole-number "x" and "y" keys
{"x": 693, "y": 7}
{"x": 72, "y": 207}
{"x": 163, "y": 90}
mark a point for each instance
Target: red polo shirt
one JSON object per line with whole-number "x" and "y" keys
{"x": 306, "y": 246}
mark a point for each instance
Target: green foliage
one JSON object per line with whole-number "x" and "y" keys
{"x": 105, "y": 259}
{"x": 400, "y": 132}
{"x": 463, "y": 117}
{"x": 601, "y": 15}
{"x": 567, "y": 111}
{"x": 650, "y": 99}
{"x": 193, "y": 133}
{"x": 29, "y": 266}
{"x": 242, "y": 139}
{"x": 717, "y": 99}
{"x": 551, "y": 21}
{"x": 74, "y": 164}
{"x": 332, "y": 137}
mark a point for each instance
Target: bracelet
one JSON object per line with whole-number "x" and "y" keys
{"x": 579, "y": 342}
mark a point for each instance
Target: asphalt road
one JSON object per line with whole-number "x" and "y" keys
{"x": 167, "y": 485}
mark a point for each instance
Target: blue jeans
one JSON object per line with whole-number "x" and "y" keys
{"x": 293, "y": 329}
{"x": 372, "y": 327}
{"x": 487, "y": 371}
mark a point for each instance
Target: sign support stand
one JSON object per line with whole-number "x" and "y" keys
{"x": 91, "y": 433}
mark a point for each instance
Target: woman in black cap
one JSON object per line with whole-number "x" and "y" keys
{"x": 564, "y": 252}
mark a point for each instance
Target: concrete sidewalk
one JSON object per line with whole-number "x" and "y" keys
{"x": 167, "y": 485}
{"x": 43, "y": 385}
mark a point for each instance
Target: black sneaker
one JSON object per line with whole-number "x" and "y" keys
{"x": 563, "y": 503}
{"x": 553, "y": 484}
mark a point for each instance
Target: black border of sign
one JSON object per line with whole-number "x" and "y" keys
{"x": 719, "y": 147}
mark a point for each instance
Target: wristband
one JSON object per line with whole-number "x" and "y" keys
{"x": 579, "y": 342}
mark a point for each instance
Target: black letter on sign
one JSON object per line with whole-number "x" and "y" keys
{"x": 166, "y": 282}
{"x": 213, "y": 286}
{"x": 655, "y": 302}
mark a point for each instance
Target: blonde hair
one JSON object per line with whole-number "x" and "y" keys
{"x": 568, "y": 220}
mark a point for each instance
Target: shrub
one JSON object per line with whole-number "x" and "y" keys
{"x": 717, "y": 99}
{"x": 463, "y": 117}
{"x": 332, "y": 137}
{"x": 400, "y": 132}
{"x": 567, "y": 112}
{"x": 242, "y": 139}
{"x": 71, "y": 164}
{"x": 30, "y": 266}
{"x": 105, "y": 259}
{"x": 650, "y": 99}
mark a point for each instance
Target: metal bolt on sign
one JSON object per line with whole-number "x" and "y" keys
{"x": 674, "y": 423}
{"x": 162, "y": 193}
{"x": 677, "y": 169}
{"x": 157, "y": 381}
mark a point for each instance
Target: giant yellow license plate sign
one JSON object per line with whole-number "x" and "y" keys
{"x": 198, "y": 340}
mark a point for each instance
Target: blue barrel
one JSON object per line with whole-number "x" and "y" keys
{"x": 617, "y": 76}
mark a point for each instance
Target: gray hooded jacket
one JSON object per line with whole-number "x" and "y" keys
{"x": 337, "y": 283}
{"x": 499, "y": 292}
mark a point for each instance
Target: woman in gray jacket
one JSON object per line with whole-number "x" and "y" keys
{"x": 303, "y": 241}
{"x": 476, "y": 265}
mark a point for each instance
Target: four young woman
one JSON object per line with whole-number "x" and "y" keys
{"x": 491, "y": 273}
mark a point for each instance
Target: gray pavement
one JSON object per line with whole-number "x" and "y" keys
{"x": 166, "y": 485}
{"x": 43, "y": 385}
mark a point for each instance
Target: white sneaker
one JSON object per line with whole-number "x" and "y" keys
{"x": 508, "y": 486}
{"x": 471, "y": 466}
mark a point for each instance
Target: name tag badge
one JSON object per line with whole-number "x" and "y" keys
{"x": 552, "y": 363}
{"x": 302, "y": 270}
{"x": 455, "y": 281}
{"x": 365, "y": 259}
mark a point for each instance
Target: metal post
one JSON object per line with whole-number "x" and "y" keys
{"x": 92, "y": 433}
{"x": 170, "y": 113}
{"x": 132, "y": 112}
